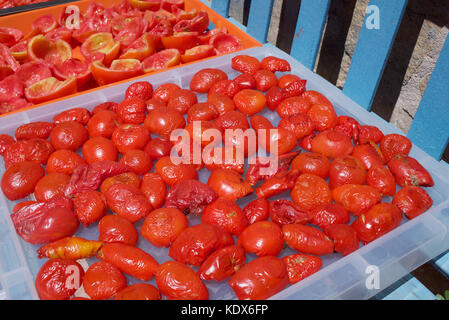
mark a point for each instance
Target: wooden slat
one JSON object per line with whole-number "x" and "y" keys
{"x": 259, "y": 19}
{"x": 221, "y": 6}
{"x": 287, "y": 25}
{"x": 309, "y": 29}
{"x": 429, "y": 129}
{"x": 372, "y": 51}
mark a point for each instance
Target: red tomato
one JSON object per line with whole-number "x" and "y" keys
{"x": 232, "y": 120}
{"x": 260, "y": 122}
{"x": 278, "y": 141}
{"x": 90, "y": 207}
{"x": 300, "y": 266}
{"x": 277, "y": 184}
{"x": 332, "y": 144}
{"x": 394, "y": 144}
{"x": 225, "y": 43}
{"x": 369, "y": 154}
{"x": 357, "y": 199}
{"x": 287, "y": 79}
{"x": 141, "y": 89}
{"x": 226, "y": 214}
{"x": 264, "y": 238}
{"x": 162, "y": 60}
{"x": 197, "y": 53}
{"x": 265, "y": 80}
{"x": 138, "y": 160}
{"x": 198, "y": 23}
{"x": 172, "y": 173}
{"x": 413, "y": 201}
{"x": 202, "y": 111}
{"x": 69, "y": 135}
{"x": 345, "y": 170}
{"x": 246, "y": 81}
{"x": 250, "y": 101}
{"x": 103, "y": 124}
{"x": 119, "y": 70}
{"x": 204, "y": 79}
{"x": 162, "y": 226}
{"x": 344, "y": 237}
{"x": 323, "y": 115}
{"x": 274, "y": 97}
{"x": 54, "y": 276}
{"x": 132, "y": 110}
{"x": 222, "y": 263}
{"x": 314, "y": 163}
{"x": 256, "y": 210}
{"x": 126, "y": 178}
{"x": 310, "y": 192}
{"x": 128, "y": 137}
{"x": 382, "y": 179}
{"x": 181, "y": 100}
{"x": 163, "y": 121}
{"x": 99, "y": 149}
{"x": 178, "y": 281}
{"x": 139, "y": 291}
{"x": 299, "y": 124}
{"x": 307, "y": 239}
{"x": 165, "y": 91}
{"x": 283, "y": 211}
{"x": 221, "y": 102}
{"x": 369, "y": 133}
{"x": 49, "y": 89}
{"x": 332, "y": 213}
{"x": 259, "y": 279}
{"x": 103, "y": 281}
{"x": 153, "y": 187}
{"x": 229, "y": 184}
{"x": 51, "y": 185}
{"x": 20, "y": 179}
{"x": 274, "y": 64}
{"x": 292, "y": 106}
{"x": 5, "y": 140}
{"x": 38, "y": 150}
{"x": 73, "y": 68}
{"x": 226, "y": 87}
{"x": 81, "y": 115}
{"x": 113, "y": 228}
{"x": 154, "y": 103}
{"x": 245, "y": 64}
{"x": 408, "y": 171}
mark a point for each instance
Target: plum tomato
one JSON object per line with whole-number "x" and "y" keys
{"x": 299, "y": 124}
{"x": 226, "y": 214}
{"x": 413, "y": 201}
{"x": 332, "y": 144}
{"x": 246, "y": 81}
{"x": 90, "y": 207}
{"x": 141, "y": 89}
{"x": 222, "y": 263}
{"x": 129, "y": 259}
{"x": 138, "y": 160}
{"x": 195, "y": 243}
{"x": 264, "y": 238}
{"x": 260, "y": 279}
{"x": 38, "y": 129}
{"x": 274, "y": 64}
{"x": 260, "y": 122}
{"x": 173, "y": 172}
{"x": 203, "y": 111}
{"x": 382, "y": 179}
{"x": 35, "y": 149}
{"x": 163, "y": 121}
{"x": 81, "y": 115}
{"x": 277, "y": 184}
{"x": 249, "y": 101}
{"x": 229, "y": 184}
{"x": 161, "y": 60}
{"x": 369, "y": 154}
{"x": 178, "y": 281}
{"x": 227, "y": 87}
{"x": 204, "y": 79}
{"x": 139, "y": 291}
{"x": 190, "y": 196}
{"x": 245, "y": 64}
{"x": 345, "y": 170}
{"x": 300, "y": 266}
{"x": 162, "y": 226}
{"x": 132, "y": 110}
{"x": 284, "y": 211}
{"x": 50, "y": 185}
{"x": 332, "y": 213}
{"x": 257, "y": 210}
{"x": 344, "y": 237}
{"x": 408, "y": 171}
{"x": 357, "y": 199}
{"x": 99, "y": 149}
{"x": 278, "y": 141}
{"x": 68, "y": 135}
{"x": 128, "y": 136}
{"x": 54, "y": 276}
{"x": 165, "y": 91}
{"x": 377, "y": 221}
{"x": 394, "y": 144}
{"x": 310, "y": 162}
{"x": 293, "y": 105}
{"x": 128, "y": 202}
{"x": 181, "y": 100}
{"x": 20, "y": 179}
{"x": 310, "y": 191}
{"x": 103, "y": 281}
{"x": 307, "y": 239}
{"x": 221, "y": 102}
{"x": 287, "y": 79}
{"x": 265, "y": 80}
{"x": 103, "y": 123}
{"x": 113, "y": 228}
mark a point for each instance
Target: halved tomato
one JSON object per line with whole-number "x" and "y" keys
{"x": 140, "y": 49}
{"x": 50, "y": 88}
{"x": 152, "y": 5}
{"x": 184, "y": 15}
{"x": 131, "y": 22}
{"x": 44, "y": 24}
{"x": 53, "y": 52}
{"x": 10, "y": 36}
{"x": 11, "y": 87}
{"x": 100, "y": 46}
{"x": 181, "y": 41}
{"x": 73, "y": 68}
{"x": 120, "y": 69}
{"x": 61, "y": 33}
{"x": 161, "y": 60}
{"x": 8, "y": 65}
{"x": 165, "y": 14}
{"x": 225, "y": 43}
{"x": 168, "y": 4}
{"x": 199, "y": 23}
{"x": 205, "y": 38}
{"x": 198, "y": 52}
{"x": 13, "y": 104}
{"x": 19, "y": 51}
{"x": 32, "y": 72}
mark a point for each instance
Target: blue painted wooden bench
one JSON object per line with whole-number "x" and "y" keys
{"x": 429, "y": 129}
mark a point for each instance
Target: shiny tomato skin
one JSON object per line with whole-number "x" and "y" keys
{"x": 177, "y": 281}
{"x": 275, "y": 64}
{"x": 158, "y": 147}
{"x": 394, "y": 144}
{"x": 163, "y": 121}
{"x": 246, "y": 81}
{"x": 222, "y": 263}
{"x": 264, "y": 238}
{"x": 232, "y": 120}
{"x": 154, "y": 103}
{"x": 99, "y": 149}
{"x": 132, "y": 110}
{"x": 204, "y": 79}
{"x": 323, "y": 116}
{"x": 153, "y": 187}
{"x": 260, "y": 122}
{"x": 181, "y": 100}
{"x": 162, "y": 226}
{"x": 413, "y": 201}
{"x": 128, "y": 136}
{"x": 377, "y": 221}
{"x": 293, "y": 105}
{"x": 229, "y": 184}
{"x": 265, "y": 80}
{"x": 284, "y": 211}
{"x": 139, "y": 291}
{"x": 225, "y": 214}
{"x": 36, "y": 149}
{"x": 307, "y": 239}
{"x": 332, "y": 144}
{"x": 53, "y": 276}
{"x": 245, "y": 64}
{"x": 259, "y": 279}
{"x": 165, "y": 91}
{"x": 81, "y": 115}
{"x": 138, "y": 160}
{"x": 382, "y": 179}
{"x": 68, "y": 135}
{"x": 408, "y": 171}
{"x": 90, "y": 207}
{"x": 300, "y": 266}
{"x": 249, "y": 101}
{"x": 127, "y": 178}
{"x": 103, "y": 281}
{"x": 113, "y": 228}
{"x": 278, "y": 141}
{"x": 310, "y": 162}
{"x": 227, "y": 87}
{"x": 310, "y": 192}
{"x": 38, "y": 129}
{"x": 344, "y": 237}
{"x": 368, "y": 133}
{"x": 20, "y": 179}
{"x": 103, "y": 123}
{"x": 345, "y": 170}
{"x": 129, "y": 259}
{"x": 221, "y": 102}
{"x": 140, "y": 89}
{"x": 370, "y": 155}
{"x": 328, "y": 214}
{"x": 5, "y": 140}
{"x": 105, "y": 106}
{"x": 202, "y": 111}
{"x": 299, "y": 124}
{"x": 257, "y": 210}
{"x": 172, "y": 173}
{"x": 51, "y": 185}
{"x": 195, "y": 243}
{"x": 357, "y": 199}
{"x": 274, "y": 97}
{"x": 63, "y": 161}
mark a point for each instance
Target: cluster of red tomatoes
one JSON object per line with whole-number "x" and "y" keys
{"x": 4, "y": 4}
{"x": 346, "y": 170}
{"x": 61, "y": 57}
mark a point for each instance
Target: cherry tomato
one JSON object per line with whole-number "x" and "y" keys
{"x": 277, "y": 184}
{"x": 278, "y": 141}
{"x": 126, "y": 178}
{"x": 284, "y": 211}
{"x": 172, "y": 173}
{"x": 314, "y": 163}
{"x": 287, "y": 79}
{"x": 229, "y": 184}
{"x": 332, "y": 144}
{"x": 113, "y": 228}
{"x": 103, "y": 123}
{"x": 139, "y": 291}
{"x": 344, "y": 237}
{"x": 300, "y": 266}
{"x": 345, "y": 170}
{"x": 256, "y": 210}
{"x": 369, "y": 154}
{"x": 53, "y": 277}
{"x": 357, "y": 199}
{"x": 382, "y": 179}
{"x": 221, "y": 102}
{"x": 307, "y": 239}
{"x": 138, "y": 160}
{"x": 408, "y": 171}
{"x": 413, "y": 201}
{"x": 332, "y": 213}
{"x": 232, "y": 120}
{"x": 162, "y": 226}
{"x": 99, "y": 149}
{"x": 204, "y": 79}
{"x": 20, "y": 179}
{"x": 264, "y": 238}
{"x": 51, "y": 185}
{"x": 103, "y": 281}
{"x": 140, "y": 89}
{"x": 90, "y": 207}
{"x": 81, "y": 115}
{"x": 249, "y": 101}
{"x": 394, "y": 144}
{"x": 226, "y": 214}
{"x": 260, "y": 122}
{"x": 245, "y": 64}
{"x": 310, "y": 192}
{"x": 69, "y": 135}
{"x": 163, "y": 121}
{"x": 275, "y": 64}
{"x": 128, "y": 137}
{"x": 222, "y": 263}
{"x": 377, "y": 221}
{"x": 178, "y": 281}
{"x": 259, "y": 279}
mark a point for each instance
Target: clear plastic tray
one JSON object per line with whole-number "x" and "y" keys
{"x": 395, "y": 254}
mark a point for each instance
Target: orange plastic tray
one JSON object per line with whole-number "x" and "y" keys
{"x": 22, "y": 21}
